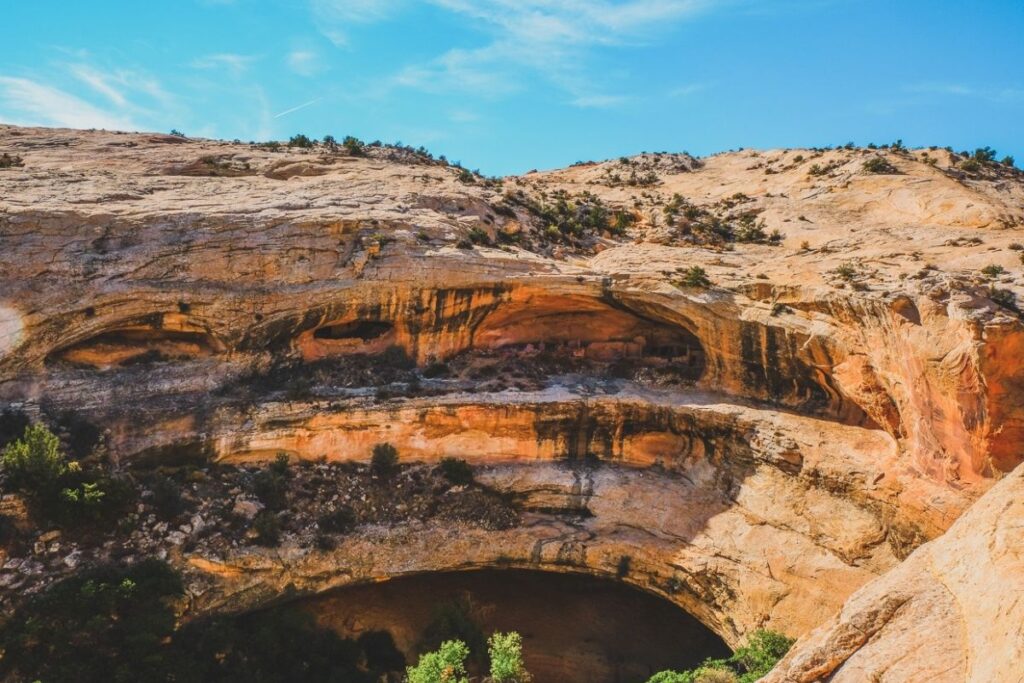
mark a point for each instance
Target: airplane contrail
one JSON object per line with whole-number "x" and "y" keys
{"x": 295, "y": 109}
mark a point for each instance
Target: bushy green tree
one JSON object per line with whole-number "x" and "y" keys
{"x": 506, "y": 653}
{"x": 748, "y": 664}
{"x": 35, "y": 463}
{"x": 445, "y": 665}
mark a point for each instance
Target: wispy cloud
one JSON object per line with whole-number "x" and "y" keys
{"x": 40, "y": 104}
{"x": 998, "y": 94}
{"x": 687, "y": 90}
{"x": 334, "y": 18}
{"x": 304, "y": 62}
{"x": 550, "y": 38}
{"x": 599, "y": 101}
{"x": 233, "y": 63}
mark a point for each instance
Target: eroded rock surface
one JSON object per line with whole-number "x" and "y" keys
{"x": 760, "y": 445}
{"x": 951, "y": 612}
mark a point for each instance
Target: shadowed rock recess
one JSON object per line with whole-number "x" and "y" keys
{"x": 751, "y": 386}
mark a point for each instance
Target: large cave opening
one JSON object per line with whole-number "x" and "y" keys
{"x": 575, "y": 628}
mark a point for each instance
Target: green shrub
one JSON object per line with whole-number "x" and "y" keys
{"x": 267, "y": 527}
{"x": 354, "y": 146}
{"x": 992, "y": 271}
{"x": 748, "y": 664}
{"x": 457, "y": 471}
{"x": 329, "y": 142}
{"x": 1008, "y": 161}
{"x": 505, "y": 651}
{"x": 384, "y": 461}
{"x": 466, "y": 176}
{"x": 847, "y": 271}
{"x": 35, "y": 463}
{"x": 970, "y": 166}
{"x": 880, "y": 166}
{"x": 300, "y": 140}
{"x": 270, "y": 486}
{"x": 446, "y": 665}
{"x": 341, "y": 521}
{"x": 694, "y": 276}
{"x": 105, "y": 624}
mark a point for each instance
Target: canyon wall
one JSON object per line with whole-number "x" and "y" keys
{"x": 760, "y": 443}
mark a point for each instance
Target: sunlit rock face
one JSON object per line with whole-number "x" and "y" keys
{"x": 760, "y": 447}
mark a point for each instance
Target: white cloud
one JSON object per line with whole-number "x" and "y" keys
{"x": 998, "y": 94}
{"x": 304, "y": 62}
{"x": 34, "y": 103}
{"x": 599, "y": 101}
{"x": 552, "y": 38}
{"x": 687, "y": 90}
{"x": 334, "y": 17}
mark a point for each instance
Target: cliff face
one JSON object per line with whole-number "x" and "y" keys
{"x": 770, "y": 440}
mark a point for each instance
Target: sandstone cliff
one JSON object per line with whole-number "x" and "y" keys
{"x": 843, "y": 386}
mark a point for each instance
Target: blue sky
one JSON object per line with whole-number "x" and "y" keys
{"x": 510, "y": 85}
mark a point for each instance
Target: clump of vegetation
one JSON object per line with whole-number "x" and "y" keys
{"x": 726, "y": 221}
{"x": 445, "y": 665}
{"x": 993, "y": 271}
{"x": 267, "y": 526}
{"x": 880, "y": 166}
{"x": 457, "y": 471}
{"x": 847, "y": 271}
{"x": 748, "y": 664}
{"x": 8, "y": 161}
{"x": 59, "y": 489}
{"x": 115, "y": 623}
{"x": 694, "y": 276}
{"x": 270, "y": 485}
{"x": 106, "y": 624}
{"x": 301, "y": 141}
{"x": 505, "y": 651}
{"x": 354, "y": 146}
{"x": 384, "y": 461}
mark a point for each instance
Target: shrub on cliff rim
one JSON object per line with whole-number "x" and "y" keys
{"x": 880, "y": 166}
{"x": 300, "y": 141}
{"x": 384, "y": 461}
{"x": 354, "y": 146}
